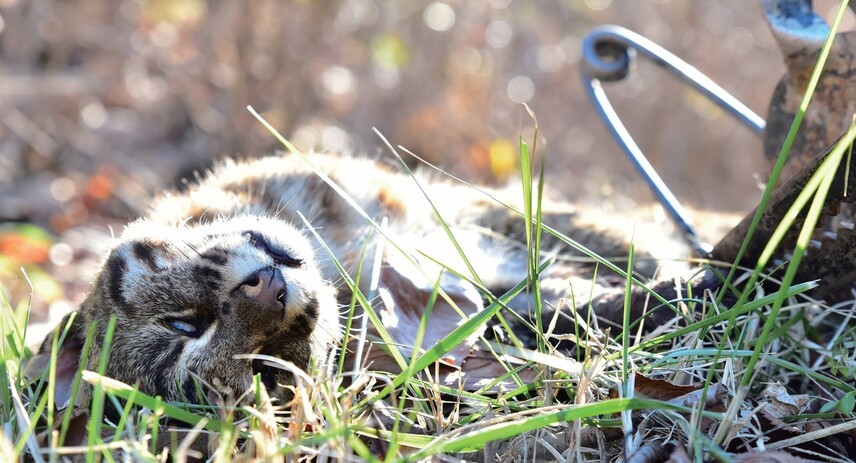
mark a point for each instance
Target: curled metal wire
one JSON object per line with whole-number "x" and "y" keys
{"x": 607, "y": 54}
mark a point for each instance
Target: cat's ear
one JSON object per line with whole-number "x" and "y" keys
{"x": 67, "y": 357}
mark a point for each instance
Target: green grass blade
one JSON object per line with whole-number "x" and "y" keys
{"x": 751, "y": 306}
{"x": 75, "y": 385}
{"x": 476, "y": 439}
{"x": 442, "y": 222}
{"x": 120, "y": 389}
{"x": 452, "y": 340}
{"x": 625, "y": 328}
{"x": 599, "y": 260}
{"x": 786, "y": 147}
{"x": 369, "y": 310}
{"x": 96, "y": 415}
{"x": 826, "y": 174}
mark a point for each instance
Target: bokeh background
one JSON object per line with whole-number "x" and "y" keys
{"x": 103, "y": 103}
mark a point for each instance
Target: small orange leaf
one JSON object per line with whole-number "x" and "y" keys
{"x": 660, "y": 389}
{"x": 101, "y": 185}
{"x": 23, "y": 249}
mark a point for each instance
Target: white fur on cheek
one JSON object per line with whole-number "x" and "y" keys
{"x": 196, "y": 348}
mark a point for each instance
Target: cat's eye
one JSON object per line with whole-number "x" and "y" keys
{"x": 279, "y": 256}
{"x": 182, "y": 326}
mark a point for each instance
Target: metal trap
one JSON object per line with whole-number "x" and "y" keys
{"x": 608, "y": 53}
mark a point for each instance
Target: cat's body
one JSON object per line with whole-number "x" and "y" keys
{"x": 230, "y": 269}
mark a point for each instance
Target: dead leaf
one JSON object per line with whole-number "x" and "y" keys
{"x": 404, "y": 295}
{"x": 660, "y": 389}
{"x": 685, "y": 396}
{"x": 481, "y": 368}
{"x": 779, "y": 403}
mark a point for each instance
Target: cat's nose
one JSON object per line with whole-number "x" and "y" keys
{"x": 267, "y": 287}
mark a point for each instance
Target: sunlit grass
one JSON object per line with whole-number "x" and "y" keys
{"x": 369, "y": 415}
{"x": 336, "y": 417}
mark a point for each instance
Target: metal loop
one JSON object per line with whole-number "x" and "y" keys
{"x": 615, "y": 37}
{"x": 604, "y": 60}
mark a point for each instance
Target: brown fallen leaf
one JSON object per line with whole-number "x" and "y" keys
{"x": 779, "y": 403}
{"x": 660, "y": 389}
{"x": 481, "y": 368}
{"x": 685, "y": 396}
{"x": 404, "y": 294}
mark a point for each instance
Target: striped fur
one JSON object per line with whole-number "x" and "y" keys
{"x": 184, "y": 264}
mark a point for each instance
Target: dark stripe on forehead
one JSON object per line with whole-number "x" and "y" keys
{"x": 216, "y": 256}
{"x": 116, "y": 268}
{"x": 211, "y": 278}
{"x": 145, "y": 252}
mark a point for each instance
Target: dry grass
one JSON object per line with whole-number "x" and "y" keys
{"x": 775, "y": 370}
{"x": 687, "y": 390}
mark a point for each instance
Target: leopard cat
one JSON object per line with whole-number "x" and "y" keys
{"x": 232, "y": 268}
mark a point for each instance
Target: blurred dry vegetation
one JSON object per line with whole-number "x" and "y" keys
{"x": 104, "y": 102}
